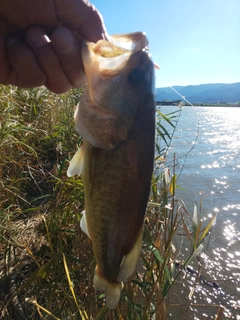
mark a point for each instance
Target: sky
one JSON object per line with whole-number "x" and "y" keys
{"x": 193, "y": 41}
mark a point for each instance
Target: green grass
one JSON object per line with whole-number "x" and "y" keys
{"x": 46, "y": 261}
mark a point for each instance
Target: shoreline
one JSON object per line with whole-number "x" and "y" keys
{"x": 199, "y": 105}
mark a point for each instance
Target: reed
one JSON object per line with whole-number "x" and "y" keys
{"x": 46, "y": 261}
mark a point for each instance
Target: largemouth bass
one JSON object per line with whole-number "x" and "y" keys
{"x": 116, "y": 118}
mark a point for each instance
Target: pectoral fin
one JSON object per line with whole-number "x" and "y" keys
{"x": 83, "y": 224}
{"x": 76, "y": 164}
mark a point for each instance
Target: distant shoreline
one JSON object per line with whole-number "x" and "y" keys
{"x": 182, "y": 104}
{"x": 220, "y": 94}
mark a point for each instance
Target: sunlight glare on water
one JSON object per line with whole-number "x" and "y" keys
{"x": 211, "y": 171}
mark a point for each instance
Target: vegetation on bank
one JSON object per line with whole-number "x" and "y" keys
{"x": 46, "y": 261}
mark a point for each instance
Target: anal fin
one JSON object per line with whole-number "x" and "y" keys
{"x": 129, "y": 261}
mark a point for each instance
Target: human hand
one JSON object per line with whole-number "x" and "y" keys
{"x": 40, "y": 42}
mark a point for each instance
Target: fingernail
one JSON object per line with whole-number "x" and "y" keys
{"x": 63, "y": 40}
{"x": 106, "y": 36}
{"x": 36, "y": 37}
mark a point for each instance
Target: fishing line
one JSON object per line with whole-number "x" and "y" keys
{"x": 168, "y": 146}
{"x": 174, "y": 90}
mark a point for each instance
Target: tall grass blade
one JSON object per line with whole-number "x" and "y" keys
{"x": 42, "y": 308}
{"x": 83, "y": 315}
{"x": 193, "y": 255}
{"x": 209, "y": 227}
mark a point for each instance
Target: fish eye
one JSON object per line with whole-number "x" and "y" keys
{"x": 136, "y": 76}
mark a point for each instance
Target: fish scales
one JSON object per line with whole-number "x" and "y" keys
{"x": 116, "y": 118}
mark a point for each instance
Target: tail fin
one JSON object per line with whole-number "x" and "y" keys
{"x": 112, "y": 290}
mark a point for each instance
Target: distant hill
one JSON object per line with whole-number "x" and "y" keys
{"x": 203, "y": 93}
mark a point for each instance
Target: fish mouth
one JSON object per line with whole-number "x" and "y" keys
{"x": 136, "y": 41}
{"x": 113, "y": 55}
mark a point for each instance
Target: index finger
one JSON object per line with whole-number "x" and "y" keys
{"x": 77, "y": 15}
{"x": 83, "y": 17}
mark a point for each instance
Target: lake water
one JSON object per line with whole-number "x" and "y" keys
{"x": 211, "y": 170}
